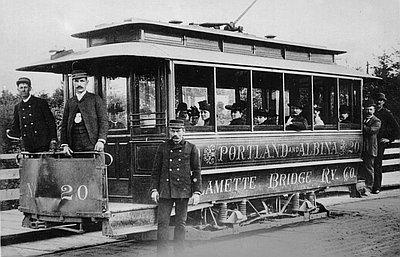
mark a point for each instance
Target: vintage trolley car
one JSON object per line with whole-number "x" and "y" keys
{"x": 145, "y": 69}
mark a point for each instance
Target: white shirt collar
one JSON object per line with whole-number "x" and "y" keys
{"x": 27, "y": 99}
{"x": 79, "y": 96}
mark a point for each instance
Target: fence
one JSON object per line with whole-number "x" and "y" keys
{"x": 9, "y": 174}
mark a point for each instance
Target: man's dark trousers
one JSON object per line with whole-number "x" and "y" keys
{"x": 163, "y": 216}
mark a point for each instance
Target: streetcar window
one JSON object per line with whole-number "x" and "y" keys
{"x": 349, "y": 104}
{"x": 297, "y": 102}
{"x": 325, "y": 103}
{"x": 267, "y": 101}
{"x": 232, "y": 99}
{"x": 194, "y": 97}
{"x": 116, "y": 102}
{"x": 147, "y": 100}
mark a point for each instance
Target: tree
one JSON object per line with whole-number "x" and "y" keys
{"x": 7, "y": 102}
{"x": 388, "y": 69}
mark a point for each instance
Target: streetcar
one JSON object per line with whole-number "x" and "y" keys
{"x": 145, "y": 69}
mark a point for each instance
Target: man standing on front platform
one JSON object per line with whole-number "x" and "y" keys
{"x": 85, "y": 123}
{"x": 176, "y": 177}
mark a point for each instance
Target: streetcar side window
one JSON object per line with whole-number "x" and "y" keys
{"x": 267, "y": 110}
{"x": 116, "y": 100}
{"x": 194, "y": 97}
{"x": 232, "y": 108}
{"x": 325, "y": 103}
{"x": 298, "y": 109}
{"x": 349, "y": 104}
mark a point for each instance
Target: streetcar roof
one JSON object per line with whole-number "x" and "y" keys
{"x": 162, "y": 26}
{"x": 63, "y": 64}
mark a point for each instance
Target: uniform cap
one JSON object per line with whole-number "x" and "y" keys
{"x": 176, "y": 124}
{"x": 24, "y": 80}
{"x": 79, "y": 74}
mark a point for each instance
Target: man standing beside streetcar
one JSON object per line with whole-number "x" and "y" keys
{"x": 371, "y": 128}
{"x": 388, "y": 132}
{"x": 176, "y": 177}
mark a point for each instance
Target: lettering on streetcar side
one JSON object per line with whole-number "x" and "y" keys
{"x": 213, "y": 154}
{"x": 277, "y": 181}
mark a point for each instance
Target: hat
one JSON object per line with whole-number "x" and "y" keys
{"x": 78, "y": 74}
{"x": 260, "y": 113}
{"x": 369, "y": 103}
{"x": 115, "y": 108}
{"x": 344, "y": 109}
{"x": 296, "y": 104}
{"x": 203, "y": 105}
{"x": 194, "y": 112}
{"x": 24, "y": 80}
{"x": 239, "y": 106}
{"x": 380, "y": 96}
{"x": 182, "y": 107}
{"x": 176, "y": 124}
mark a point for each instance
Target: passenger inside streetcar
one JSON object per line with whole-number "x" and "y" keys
{"x": 296, "y": 121}
{"x": 194, "y": 115}
{"x": 182, "y": 113}
{"x": 113, "y": 119}
{"x": 237, "y": 113}
{"x": 317, "y": 116}
{"x": 344, "y": 116}
{"x": 263, "y": 117}
{"x": 205, "y": 112}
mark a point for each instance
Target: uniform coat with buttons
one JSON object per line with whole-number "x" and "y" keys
{"x": 94, "y": 114}
{"x": 177, "y": 170}
{"x": 34, "y": 122}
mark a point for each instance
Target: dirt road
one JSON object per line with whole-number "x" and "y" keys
{"x": 366, "y": 227}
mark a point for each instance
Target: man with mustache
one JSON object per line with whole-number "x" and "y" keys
{"x": 389, "y": 131}
{"x": 176, "y": 177}
{"x": 85, "y": 124}
{"x": 371, "y": 128}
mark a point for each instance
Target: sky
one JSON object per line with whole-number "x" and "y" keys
{"x": 30, "y": 29}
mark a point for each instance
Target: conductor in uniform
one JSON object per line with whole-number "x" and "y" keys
{"x": 33, "y": 120}
{"x": 176, "y": 177}
{"x": 85, "y": 123}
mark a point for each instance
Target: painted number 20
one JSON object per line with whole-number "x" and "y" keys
{"x": 67, "y": 192}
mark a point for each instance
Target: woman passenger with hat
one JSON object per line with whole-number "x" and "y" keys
{"x": 205, "y": 109}
{"x": 237, "y": 111}
{"x": 182, "y": 113}
{"x": 296, "y": 121}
